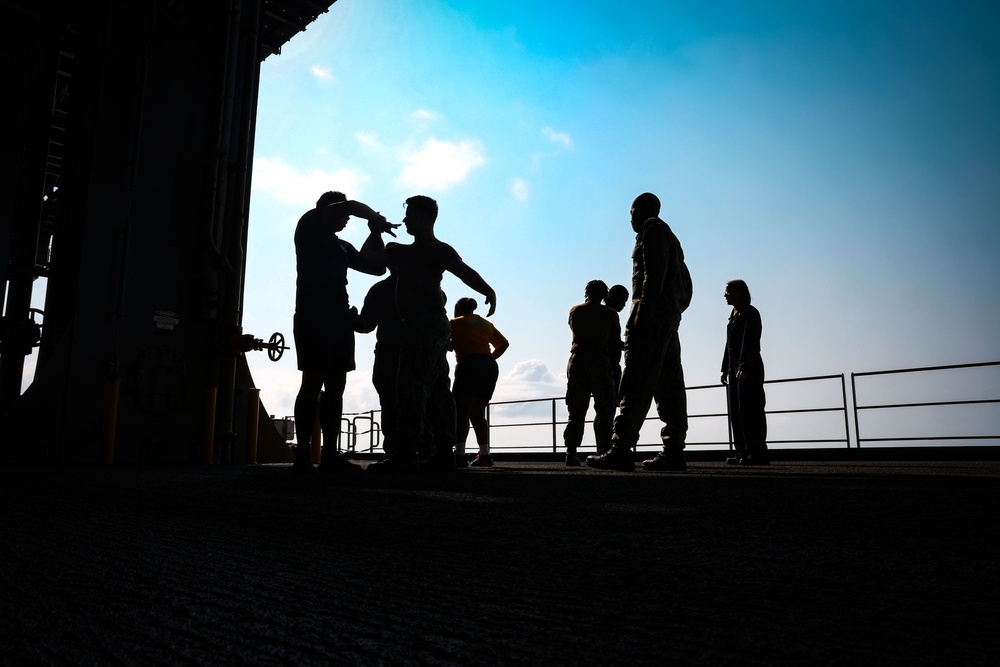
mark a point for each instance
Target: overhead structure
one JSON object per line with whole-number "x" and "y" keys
{"x": 124, "y": 194}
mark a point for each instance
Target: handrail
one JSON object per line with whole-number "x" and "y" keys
{"x": 555, "y": 445}
{"x": 857, "y": 407}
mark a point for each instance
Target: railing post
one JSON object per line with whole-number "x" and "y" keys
{"x": 854, "y": 404}
{"x": 847, "y": 425}
{"x": 555, "y": 449}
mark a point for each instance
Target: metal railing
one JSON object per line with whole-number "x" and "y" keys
{"x": 553, "y": 423}
{"x": 780, "y": 411}
{"x": 927, "y": 405}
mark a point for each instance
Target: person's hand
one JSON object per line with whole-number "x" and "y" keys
{"x": 725, "y": 378}
{"x": 491, "y": 299}
{"x": 379, "y": 225}
{"x": 740, "y": 375}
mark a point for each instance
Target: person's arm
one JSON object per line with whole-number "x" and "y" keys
{"x": 371, "y": 258}
{"x": 750, "y": 344}
{"x": 499, "y": 343}
{"x": 615, "y": 343}
{"x": 725, "y": 357}
{"x": 470, "y": 277}
{"x": 654, "y": 263}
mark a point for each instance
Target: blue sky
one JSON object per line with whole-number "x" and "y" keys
{"x": 841, "y": 157}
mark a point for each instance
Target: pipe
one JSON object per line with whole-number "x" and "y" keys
{"x": 208, "y": 435}
{"x": 111, "y": 418}
{"x": 253, "y": 414}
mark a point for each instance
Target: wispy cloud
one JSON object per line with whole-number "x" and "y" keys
{"x": 440, "y": 165}
{"x": 425, "y": 116}
{"x": 291, "y": 185}
{"x": 368, "y": 139}
{"x": 322, "y": 73}
{"x": 560, "y": 139}
{"x": 519, "y": 188}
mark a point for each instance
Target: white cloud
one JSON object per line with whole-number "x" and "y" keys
{"x": 367, "y": 139}
{"x": 322, "y": 73}
{"x": 290, "y": 185}
{"x": 531, "y": 379}
{"x": 425, "y": 116}
{"x": 439, "y": 165}
{"x": 519, "y": 188}
{"x": 559, "y": 138}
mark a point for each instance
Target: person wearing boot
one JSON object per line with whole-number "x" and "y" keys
{"x": 422, "y": 384}
{"x": 743, "y": 375}
{"x": 661, "y": 291}
{"x": 323, "y": 326}
{"x": 596, "y": 332}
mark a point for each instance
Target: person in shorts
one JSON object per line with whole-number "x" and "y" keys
{"x": 477, "y": 345}
{"x": 323, "y": 327}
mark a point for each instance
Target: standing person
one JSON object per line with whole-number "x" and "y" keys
{"x": 476, "y": 374}
{"x": 323, "y": 326}
{"x": 661, "y": 291}
{"x": 616, "y": 300}
{"x": 743, "y": 375}
{"x": 422, "y": 383}
{"x": 378, "y": 313}
{"x": 596, "y": 332}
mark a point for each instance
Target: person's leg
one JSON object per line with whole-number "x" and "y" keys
{"x": 331, "y": 409}
{"x": 754, "y": 421}
{"x": 671, "y": 407}
{"x": 643, "y": 359}
{"x": 577, "y": 404}
{"x": 477, "y": 415}
{"x": 384, "y": 379}
{"x": 602, "y": 386}
{"x": 306, "y": 408}
{"x": 463, "y": 414}
{"x": 424, "y": 349}
{"x": 735, "y": 420}
{"x": 671, "y": 395}
{"x": 441, "y": 412}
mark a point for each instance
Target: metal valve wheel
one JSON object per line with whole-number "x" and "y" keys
{"x": 276, "y": 346}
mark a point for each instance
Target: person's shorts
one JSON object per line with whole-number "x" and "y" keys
{"x": 324, "y": 342}
{"x": 475, "y": 377}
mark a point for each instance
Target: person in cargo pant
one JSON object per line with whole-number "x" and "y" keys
{"x": 743, "y": 375}
{"x": 661, "y": 291}
{"x": 422, "y": 385}
{"x": 596, "y": 332}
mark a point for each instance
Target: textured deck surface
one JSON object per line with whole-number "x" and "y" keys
{"x": 874, "y": 563}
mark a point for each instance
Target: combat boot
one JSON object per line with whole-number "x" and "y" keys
{"x": 670, "y": 459}
{"x": 396, "y": 464}
{"x": 616, "y": 458}
{"x": 443, "y": 460}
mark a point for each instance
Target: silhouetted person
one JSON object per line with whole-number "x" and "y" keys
{"x": 596, "y": 332}
{"x": 661, "y": 291}
{"x": 324, "y": 321}
{"x": 743, "y": 373}
{"x": 423, "y": 383}
{"x": 378, "y": 313}
{"x": 476, "y": 373}
{"x": 616, "y": 299}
